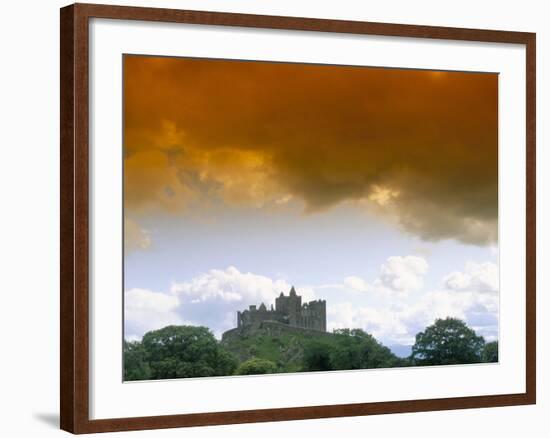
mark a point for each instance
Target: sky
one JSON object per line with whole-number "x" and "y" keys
{"x": 372, "y": 188}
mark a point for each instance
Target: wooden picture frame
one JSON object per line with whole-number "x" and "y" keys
{"x": 75, "y": 237}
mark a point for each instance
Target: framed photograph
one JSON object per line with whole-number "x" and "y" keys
{"x": 277, "y": 218}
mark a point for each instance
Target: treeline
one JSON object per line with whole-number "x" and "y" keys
{"x": 190, "y": 351}
{"x": 348, "y": 349}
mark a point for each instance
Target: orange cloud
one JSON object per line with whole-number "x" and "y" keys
{"x": 421, "y": 147}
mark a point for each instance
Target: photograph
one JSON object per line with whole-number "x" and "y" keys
{"x": 275, "y": 219}
{"x": 291, "y": 217}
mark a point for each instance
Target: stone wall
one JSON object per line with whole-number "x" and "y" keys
{"x": 269, "y": 328}
{"x": 288, "y": 310}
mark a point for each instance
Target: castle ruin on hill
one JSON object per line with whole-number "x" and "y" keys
{"x": 288, "y": 310}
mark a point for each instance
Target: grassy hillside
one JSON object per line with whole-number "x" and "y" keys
{"x": 308, "y": 351}
{"x": 285, "y": 351}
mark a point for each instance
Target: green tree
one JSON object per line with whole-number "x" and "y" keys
{"x": 357, "y": 349}
{"x": 348, "y": 349}
{"x": 186, "y": 351}
{"x": 136, "y": 366}
{"x": 490, "y": 352}
{"x": 256, "y": 366}
{"x": 352, "y": 350}
{"x": 447, "y": 341}
{"x": 317, "y": 356}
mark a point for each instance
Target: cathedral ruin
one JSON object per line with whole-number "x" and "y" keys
{"x": 288, "y": 310}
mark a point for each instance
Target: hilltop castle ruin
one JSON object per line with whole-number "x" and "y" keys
{"x": 288, "y": 310}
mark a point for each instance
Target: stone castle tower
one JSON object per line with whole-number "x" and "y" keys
{"x": 288, "y": 310}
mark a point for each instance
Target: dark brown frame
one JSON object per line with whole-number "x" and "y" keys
{"x": 74, "y": 355}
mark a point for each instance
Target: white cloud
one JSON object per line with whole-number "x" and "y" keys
{"x": 213, "y": 298}
{"x": 480, "y": 277}
{"x": 356, "y": 284}
{"x": 456, "y": 281}
{"x": 403, "y": 274}
{"x": 398, "y": 276}
{"x": 399, "y": 324}
{"x": 145, "y": 310}
{"x": 228, "y": 285}
{"x": 383, "y": 323}
{"x": 470, "y": 295}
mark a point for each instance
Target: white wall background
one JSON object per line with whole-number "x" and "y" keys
{"x": 29, "y": 250}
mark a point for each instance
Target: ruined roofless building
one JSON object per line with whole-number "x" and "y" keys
{"x": 288, "y": 310}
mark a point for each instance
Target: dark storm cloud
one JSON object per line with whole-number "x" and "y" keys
{"x": 321, "y": 134}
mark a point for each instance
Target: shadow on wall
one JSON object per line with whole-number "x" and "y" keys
{"x": 50, "y": 419}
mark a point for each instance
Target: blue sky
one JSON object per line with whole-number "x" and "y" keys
{"x": 338, "y": 255}
{"x": 303, "y": 248}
